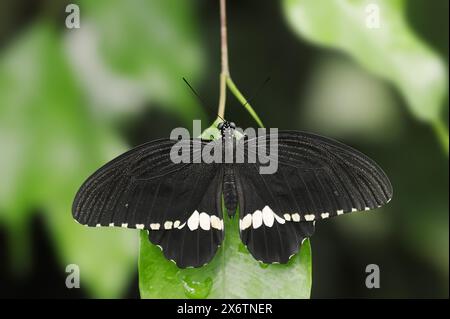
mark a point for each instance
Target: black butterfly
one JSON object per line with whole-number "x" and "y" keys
{"x": 181, "y": 204}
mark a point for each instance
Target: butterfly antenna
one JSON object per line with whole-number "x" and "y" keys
{"x": 257, "y": 91}
{"x": 198, "y": 96}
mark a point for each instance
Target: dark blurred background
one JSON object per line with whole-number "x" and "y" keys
{"x": 70, "y": 99}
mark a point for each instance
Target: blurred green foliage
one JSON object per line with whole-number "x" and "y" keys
{"x": 55, "y": 126}
{"x": 391, "y": 51}
{"x": 49, "y": 144}
{"x": 342, "y": 92}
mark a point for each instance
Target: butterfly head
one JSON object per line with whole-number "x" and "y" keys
{"x": 226, "y": 128}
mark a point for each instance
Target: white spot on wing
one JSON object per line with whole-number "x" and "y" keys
{"x": 296, "y": 217}
{"x": 367, "y": 208}
{"x": 257, "y": 219}
{"x": 267, "y": 215}
{"x": 124, "y": 225}
{"x": 287, "y": 217}
{"x": 279, "y": 219}
{"x": 176, "y": 224}
{"x": 340, "y": 212}
{"x": 98, "y": 225}
{"x": 155, "y": 226}
{"x": 216, "y": 222}
{"x": 111, "y": 224}
{"x": 245, "y": 222}
{"x": 354, "y": 210}
{"x": 140, "y": 226}
{"x": 325, "y": 215}
{"x": 310, "y": 217}
{"x": 193, "y": 221}
{"x": 204, "y": 221}
{"x": 168, "y": 225}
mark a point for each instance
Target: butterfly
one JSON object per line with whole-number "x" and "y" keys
{"x": 180, "y": 204}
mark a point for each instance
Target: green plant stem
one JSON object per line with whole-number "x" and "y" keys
{"x": 222, "y": 96}
{"x": 224, "y": 73}
{"x": 441, "y": 131}
{"x": 225, "y": 78}
{"x": 233, "y": 88}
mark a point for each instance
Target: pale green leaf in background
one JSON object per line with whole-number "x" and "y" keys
{"x": 233, "y": 273}
{"x": 133, "y": 52}
{"x": 344, "y": 101}
{"x": 392, "y": 51}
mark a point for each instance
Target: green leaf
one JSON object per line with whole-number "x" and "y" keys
{"x": 50, "y": 144}
{"x": 212, "y": 132}
{"x": 233, "y": 273}
{"x": 392, "y": 51}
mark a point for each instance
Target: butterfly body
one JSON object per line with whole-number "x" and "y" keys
{"x": 180, "y": 204}
{"x": 230, "y": 195}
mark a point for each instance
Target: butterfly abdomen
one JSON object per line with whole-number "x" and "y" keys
{"x": 229, "y": 191}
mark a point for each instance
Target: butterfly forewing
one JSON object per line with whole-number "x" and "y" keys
{"x": 319, "y": 178}
{"x": 144, "y": 189}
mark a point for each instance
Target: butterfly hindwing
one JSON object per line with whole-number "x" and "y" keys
{"x": 269, "y": 237}
{"x": 195, "y": 242}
